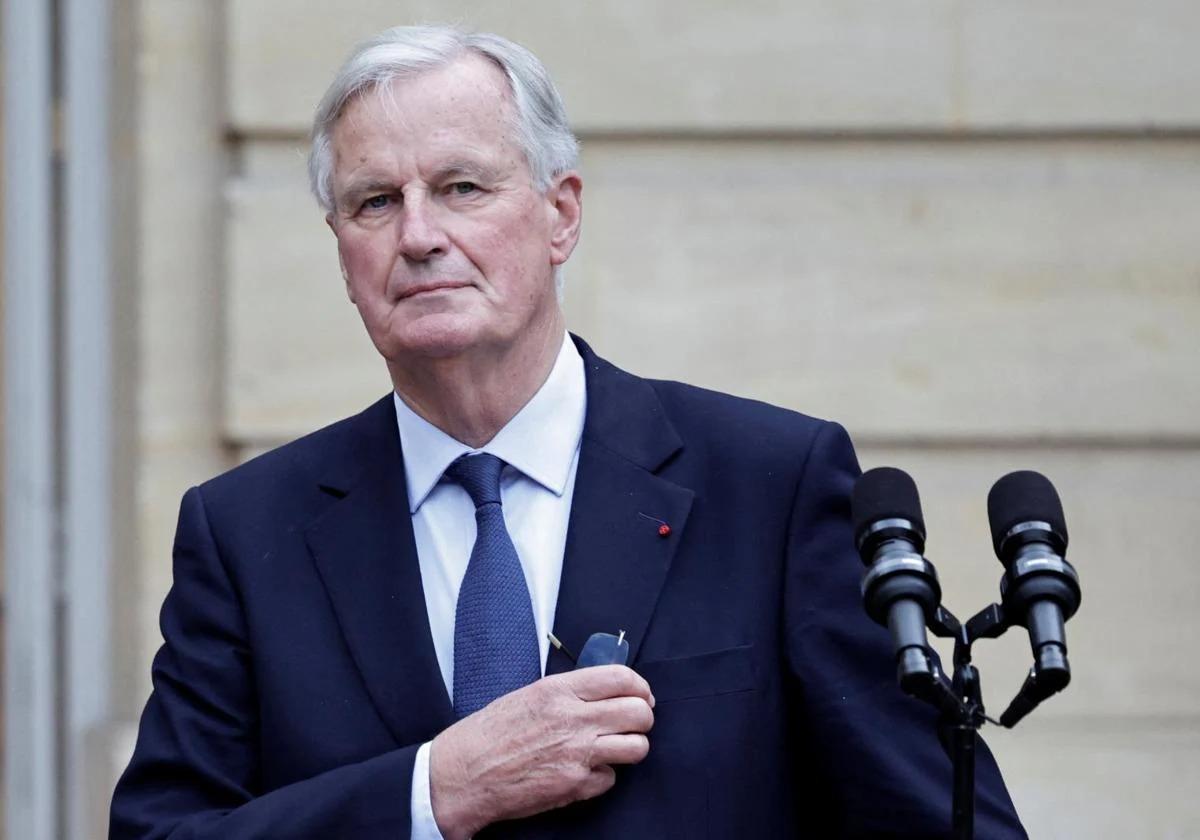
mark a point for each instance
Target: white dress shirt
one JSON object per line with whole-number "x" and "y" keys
{"x": 540, "y": 444}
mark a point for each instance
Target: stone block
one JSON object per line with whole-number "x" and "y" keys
{"x": 932, "y": 290}
{"x": 1104, "y": 778}
{"x": 1128, "y": 512}
{"x": 769, "y": 66}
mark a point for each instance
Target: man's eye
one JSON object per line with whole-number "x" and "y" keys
{"x": 377, "y": 202}
{"x": 463, "y": 188}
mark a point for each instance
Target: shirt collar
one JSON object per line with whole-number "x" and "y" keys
{"x": 540, "y": 440}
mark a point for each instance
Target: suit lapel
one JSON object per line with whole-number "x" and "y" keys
{"x": 366, "y": 555}
{"x": 616, "y": 560}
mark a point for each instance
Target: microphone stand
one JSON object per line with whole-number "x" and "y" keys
{"x": 959, "y": 700}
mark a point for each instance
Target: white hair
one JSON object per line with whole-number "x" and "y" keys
{"x": 541, "y": 129}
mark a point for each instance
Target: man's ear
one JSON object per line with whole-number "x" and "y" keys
{"x": 329, "y": 220}
{"x": 565, "y": 197}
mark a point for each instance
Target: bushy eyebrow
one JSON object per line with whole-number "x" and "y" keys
{"x": 465, "y": 169}
{"x": 370, "y": 185}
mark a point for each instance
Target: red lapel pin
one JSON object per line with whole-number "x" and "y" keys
{"x": 664, "y": 530}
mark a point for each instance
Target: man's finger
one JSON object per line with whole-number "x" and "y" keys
{"x": 619, "y": 714}
{"x": 605, "y": 681}
{"x": 598, "y": 781}
{"x": 620, "y": 749}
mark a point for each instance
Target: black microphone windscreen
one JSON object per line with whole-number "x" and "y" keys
{"x": 1024, "y": 496}
{"x": 885, "y": 493}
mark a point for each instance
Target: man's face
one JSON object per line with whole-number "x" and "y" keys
{"x": 445, "y": 244}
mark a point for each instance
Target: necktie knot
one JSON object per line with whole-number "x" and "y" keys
{"x": 479, "y": 475}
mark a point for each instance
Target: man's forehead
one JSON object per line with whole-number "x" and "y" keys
{"x": 469, "y": 87}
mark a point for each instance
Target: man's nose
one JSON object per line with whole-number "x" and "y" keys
{"x": 421, "y": 233}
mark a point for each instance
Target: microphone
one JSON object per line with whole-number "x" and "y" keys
{"x": 900, "y": 589}
{"x": 1040, "y": 589}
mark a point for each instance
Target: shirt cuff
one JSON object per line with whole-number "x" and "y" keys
{"x": 424, "y": 826}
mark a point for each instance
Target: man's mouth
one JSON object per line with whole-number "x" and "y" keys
{"x": 425, "y": 288}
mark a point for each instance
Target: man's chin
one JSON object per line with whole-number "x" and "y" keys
{"x": 435, "y": 336}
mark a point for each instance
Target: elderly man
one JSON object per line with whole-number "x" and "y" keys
{"x": 356, "y": 642}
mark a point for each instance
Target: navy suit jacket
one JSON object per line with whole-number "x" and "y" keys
{"x": 298, "y": 676}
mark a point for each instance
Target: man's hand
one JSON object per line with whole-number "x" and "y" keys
{"x": 549, "y": 744}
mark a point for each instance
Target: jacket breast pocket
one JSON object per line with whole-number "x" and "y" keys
{"x": 702, "y": 675}
{"x": 705, "y": 707}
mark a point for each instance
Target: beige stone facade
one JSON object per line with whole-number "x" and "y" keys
{"x": 969, "y": 231}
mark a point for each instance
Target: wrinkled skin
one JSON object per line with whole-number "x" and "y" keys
{"x": 544, "y": 746}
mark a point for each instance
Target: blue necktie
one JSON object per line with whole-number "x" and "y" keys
{"x": 495, "y": 638}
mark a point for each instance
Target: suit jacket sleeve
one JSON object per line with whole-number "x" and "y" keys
{"x": 868, "y": 750}
{"x": 195, "y": 769}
